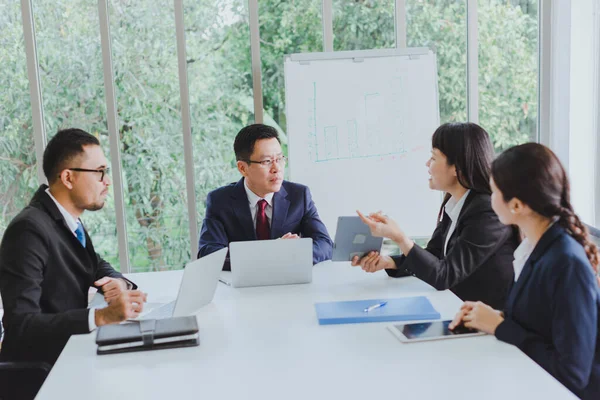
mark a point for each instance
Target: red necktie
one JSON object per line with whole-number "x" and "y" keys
{"x": 263, "y": 230}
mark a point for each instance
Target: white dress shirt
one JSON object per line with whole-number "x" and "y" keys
{"x": 453, "y": 208}
{"x": 521, "y": 254}
{"x": 253, "y": 200}
{"x": 72, "y": 224}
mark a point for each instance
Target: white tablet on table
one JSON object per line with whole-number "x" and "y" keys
{"x": 434, "y": 330}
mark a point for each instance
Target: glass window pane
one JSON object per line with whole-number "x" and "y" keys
{"x": 220, "y": 82}
{"x": 508, "y": 70}
{"x": 286, "y": 27}
{"x": 442, "y": 26}
{"x": 70, "y": 59}
{"x": 147, "y": 88}
{"x": 363, "y": 25}
{"x": 18, "y": 173}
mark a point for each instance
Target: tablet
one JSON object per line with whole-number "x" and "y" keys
{"x": 353, "y": 238}
{"x": 435, "y": 330}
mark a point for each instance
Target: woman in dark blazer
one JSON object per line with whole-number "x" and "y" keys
{"x": 552, "y": 310}
{"x": 470, "y": 251}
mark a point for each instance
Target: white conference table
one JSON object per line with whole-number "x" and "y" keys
{"x": 265, "y": 343}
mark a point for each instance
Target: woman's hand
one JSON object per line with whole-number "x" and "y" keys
{"x": 374, "y": 262}
{"x": 477, "y": 315}
{"x": 382, "y": 226}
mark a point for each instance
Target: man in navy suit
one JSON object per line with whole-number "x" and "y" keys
{"x": 261, "y": 205}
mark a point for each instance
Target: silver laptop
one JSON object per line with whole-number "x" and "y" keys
{"x": 197, "y": 289}
{"x": 270, "y": 262}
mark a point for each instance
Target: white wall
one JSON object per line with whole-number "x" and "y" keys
{"x": 583, "y": 107}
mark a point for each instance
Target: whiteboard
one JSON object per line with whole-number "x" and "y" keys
{"x": 359, "y": 130}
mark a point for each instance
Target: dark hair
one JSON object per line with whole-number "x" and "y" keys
{"x": 468, "y": 147}
{"x": 247, "y": 137}
{"x": 63, "y": 148}
{"x": 533, "y": 174}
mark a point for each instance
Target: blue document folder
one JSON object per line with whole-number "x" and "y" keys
{"x": 400, "y": 309}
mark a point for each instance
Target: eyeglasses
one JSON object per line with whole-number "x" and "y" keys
{"x": 102, "y": 171}
{"x": 281, "y": 161}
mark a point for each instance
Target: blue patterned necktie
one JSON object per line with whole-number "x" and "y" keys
{"x": 80, "y": 233}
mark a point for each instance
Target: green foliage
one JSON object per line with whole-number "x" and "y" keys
{"x": 442, "y": 26}
{"x": 286, "y": 27}
{"x": 363, "y": 25}
{"x": 508, "y": 65}
{"x": 18, "y": 179}
{"x": 220, "y": 87}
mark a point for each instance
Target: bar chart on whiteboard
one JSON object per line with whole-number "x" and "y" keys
{"x": 359, "y": 135}
{"x": 348, "y": 140}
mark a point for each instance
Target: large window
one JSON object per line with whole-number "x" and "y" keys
{"x": 441, "y": 25}
{"x": 286, "y": 27}
{"x": 363, "y": 25}
{"x": 143, "y": 45}
{"x": 18, "y": 179}
{"x": 508, "y": 70}
{"x": 70, "y": 64}
{"x": 220, "y": 82}
{"x": 147, "y": 89}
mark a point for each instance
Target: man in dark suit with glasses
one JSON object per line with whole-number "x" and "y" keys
{"x": 261, "y": 205}
{"x": 48, "y": 261}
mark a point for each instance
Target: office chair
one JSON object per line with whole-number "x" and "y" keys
{"x": 594, "y": 234}
{"x": 21, "y": 380}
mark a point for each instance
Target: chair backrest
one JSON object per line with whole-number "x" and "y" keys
{"x": 22, "y": 380}
{"x": 594, "y": 234}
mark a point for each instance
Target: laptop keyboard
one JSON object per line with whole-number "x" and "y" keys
{"x": 162, "y": 312}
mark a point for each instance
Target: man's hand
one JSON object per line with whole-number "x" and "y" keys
{"x": 127, "y": 305}
{"x": 111, "y": 287}
{"x": 290, "y": 235}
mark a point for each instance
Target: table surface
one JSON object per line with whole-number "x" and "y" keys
{"x": 265, "y": 343}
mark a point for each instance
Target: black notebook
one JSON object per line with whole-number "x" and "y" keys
{"x": 148, "y": 335}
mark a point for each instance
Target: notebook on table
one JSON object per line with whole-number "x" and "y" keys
{"x": 148, "y": 335}
{"x": 358, "y": 311}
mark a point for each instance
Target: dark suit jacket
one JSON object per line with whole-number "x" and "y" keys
{"x": 552, "y": 313}
{"x": 45, "y": 275}
{"x": 478, "y": 262}
{"x": 228, "y": 219}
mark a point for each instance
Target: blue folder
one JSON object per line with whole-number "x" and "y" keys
{"x": 400, "y": 309}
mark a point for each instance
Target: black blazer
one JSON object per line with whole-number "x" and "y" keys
{"x": 228, "y": 219}
{"x": 478, "y": 262}
{"x": 45, "y": 275}
{"x": 552, "y": 313}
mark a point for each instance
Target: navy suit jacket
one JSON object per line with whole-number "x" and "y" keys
{"x": 551, "y": 313}
{"x": 228, "y": 219}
